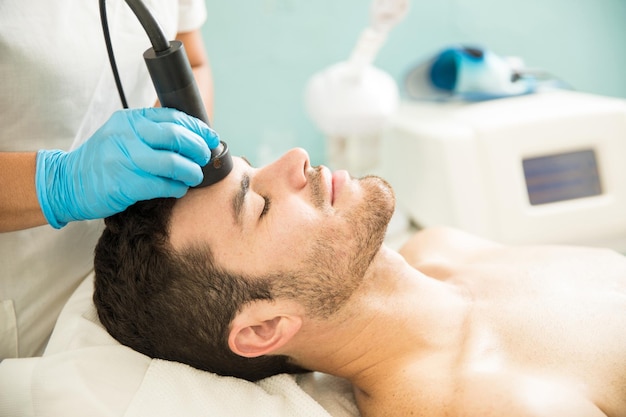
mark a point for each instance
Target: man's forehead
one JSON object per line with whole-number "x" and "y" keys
{"x": 206, "y": 208}
{"x": 226, "y": 186}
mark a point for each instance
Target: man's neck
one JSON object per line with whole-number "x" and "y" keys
{"x": 397, "y": 312}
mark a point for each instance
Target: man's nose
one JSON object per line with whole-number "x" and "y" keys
{"x": 291, "y": 168}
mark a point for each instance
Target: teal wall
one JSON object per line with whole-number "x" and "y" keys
{"x": 263, "y": 52}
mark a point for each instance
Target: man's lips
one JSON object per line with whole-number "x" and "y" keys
{"x": 334, "y": 181}
{"x": 339, "y": 179}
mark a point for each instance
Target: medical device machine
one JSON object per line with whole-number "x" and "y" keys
{"x": 350, "y": 101}
{"x": 173, "y": 81}
{"x": 544, "y": 167}
{"x": 475, "y": 73}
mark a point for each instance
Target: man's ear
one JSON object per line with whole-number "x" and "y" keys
{"x": 262, "y": 327}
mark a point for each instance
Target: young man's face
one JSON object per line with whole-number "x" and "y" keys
{"x": 288, "y": 218}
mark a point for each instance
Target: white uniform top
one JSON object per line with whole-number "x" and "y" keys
{"x": 56, "y": 89}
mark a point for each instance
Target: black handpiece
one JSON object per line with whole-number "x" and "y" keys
{"x": 176, "y": 86}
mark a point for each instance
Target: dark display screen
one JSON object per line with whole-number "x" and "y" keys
{"x": 561, "y": 177}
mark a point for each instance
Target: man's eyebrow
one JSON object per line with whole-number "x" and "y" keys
{"x": 239, "y": 198}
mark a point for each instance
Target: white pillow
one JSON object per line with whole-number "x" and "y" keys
{"x": 84, "y": 371}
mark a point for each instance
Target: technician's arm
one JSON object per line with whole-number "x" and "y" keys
{"x": 138, "y": 154}
{"x": 19, "y": 207}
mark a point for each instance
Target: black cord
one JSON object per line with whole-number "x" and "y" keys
{"x": 150, "y": 25}
{"x": 107, "y": 40}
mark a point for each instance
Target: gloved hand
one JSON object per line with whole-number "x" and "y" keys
{"x": 136, "y": 155}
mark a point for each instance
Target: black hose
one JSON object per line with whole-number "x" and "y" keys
{"x": 107, "y": 40}
{"x": 151, "y": 26}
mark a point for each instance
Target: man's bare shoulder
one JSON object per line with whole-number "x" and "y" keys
{"x": 445, "y": 241}
{"x": 436, "y": 249}
{"x": 440, "y": 252}
{"x": 512, "y": 394}
{"x": 480, "y": 394}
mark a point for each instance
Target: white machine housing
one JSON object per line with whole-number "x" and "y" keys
{"x": 548, "y": 167}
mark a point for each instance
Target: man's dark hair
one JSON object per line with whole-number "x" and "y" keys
{"x": 173, "y": 305}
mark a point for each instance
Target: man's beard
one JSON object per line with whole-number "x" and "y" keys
{"x": 337, "y": 263}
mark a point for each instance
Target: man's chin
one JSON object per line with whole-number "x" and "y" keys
{"x": 380, "y": 194}
{"x": 374, "y": 214}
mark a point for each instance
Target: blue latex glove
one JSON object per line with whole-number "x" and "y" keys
{"x": 136, "y": 155}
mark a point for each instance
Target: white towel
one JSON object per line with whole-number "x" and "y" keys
{"x": 171, "y": 388}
